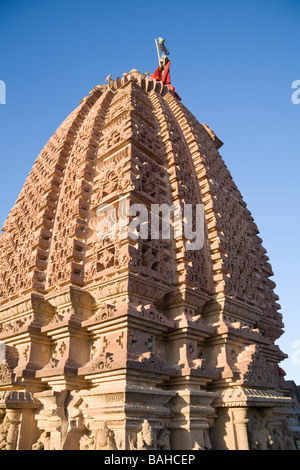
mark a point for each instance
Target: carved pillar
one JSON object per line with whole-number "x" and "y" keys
{"x": 124, "y": 409}
{"x": 69, "y": 341}
{"x": 240, "y": 426}
{"x": 14, "y": 420}
{"x": 191, "y": 418}
{"x": 18, "y": 427}
{"x": 26, "y": 348}
{"x": 52, "y": 419}
{"x": 27, "y": 429}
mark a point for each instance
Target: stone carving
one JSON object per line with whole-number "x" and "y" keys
{"x": 87, "y": 442}
{"x": 105, "y": 312}
{"x": 103, "y": 361}
{"x": 21, "y": 237}
{"x": 7, "y": 366}
{"x": 106, "y": 438}
{"x": 207, "y": 442}
{"x": 150, "y": 312}
{"x": 138, "y": 327}
{"x": 278, "y": 439}
{"x": 100, "y": 439}
{"x": 4, "y": 428}
{"x": 112, "y": 177}
{"x": 6, "y": 374}
{"x": 149, "y": 361}
{"x": 245, "y": 255}
{"x": 255, "y": 369}
{"x": 203, "y": 443}
{"x": 197, "y": 271}
{"x": 14, "y": 326}
{"x": 163, "y": 440}
{"x": 145, "y": 439}
{"x": 288, "y": 442}
{"x": 74, "y": 201}
{"x": 260, "y": 437}
{"x": 43, "y": 443}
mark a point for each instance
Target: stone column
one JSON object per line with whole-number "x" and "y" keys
{"x": 20, "y": 427}
{"x": 192, "y": 414}
{"x": 14, "y": 419}
{"x": 124, "y": 409}
{"x": 28, "y": 430}
{"x": 52, "y": 417}
{"x": 240, "y": 427}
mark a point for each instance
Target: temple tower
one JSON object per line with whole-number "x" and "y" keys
{"x": 112, "y": 338}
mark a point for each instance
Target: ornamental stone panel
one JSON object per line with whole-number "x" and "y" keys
{"x": 113, "y": 338}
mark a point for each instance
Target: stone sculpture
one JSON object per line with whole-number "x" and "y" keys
{"x": 118, "y": 341}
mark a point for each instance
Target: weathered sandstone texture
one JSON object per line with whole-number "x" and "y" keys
{"x": 136, "y": 343}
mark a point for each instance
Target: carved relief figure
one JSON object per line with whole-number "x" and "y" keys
{"x": 102, "y": 439}
{"x": 258, "y": 434}
{"x": 43, "y": 443}
{"x": 145, "y": 438}
{"x": 288, "y": 441}
{"x": 163, "y": 440}
{"x": 87, "y": 442}
{"x": 4, "y": 427}
{"x": 278, "y": 439}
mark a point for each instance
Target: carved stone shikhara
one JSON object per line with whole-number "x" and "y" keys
{"x": 122, "y": 343}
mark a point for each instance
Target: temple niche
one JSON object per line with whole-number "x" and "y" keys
{"x": 117, "y": 342}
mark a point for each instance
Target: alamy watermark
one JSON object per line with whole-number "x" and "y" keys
{"x": 160, "y": 222}
{"x": 2, "y": 92}
{"x": 2, "y": 352}
{"x": 296, "y": 94}
{"x": 295, "y": 358}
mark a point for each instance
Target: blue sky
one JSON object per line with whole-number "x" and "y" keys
{"x": 233, "y": 64}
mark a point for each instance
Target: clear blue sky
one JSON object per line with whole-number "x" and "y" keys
{"x": 233, "y": 63}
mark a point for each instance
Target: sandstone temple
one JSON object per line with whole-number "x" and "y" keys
{"x": 123, "y": 343}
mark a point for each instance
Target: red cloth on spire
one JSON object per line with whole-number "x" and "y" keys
{"x": 280, "y": 371}
{"x": 165, "y": 78}
{"x": 156, "y": 74}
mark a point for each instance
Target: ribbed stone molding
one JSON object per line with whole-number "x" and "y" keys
{"x": 134, "y": 343}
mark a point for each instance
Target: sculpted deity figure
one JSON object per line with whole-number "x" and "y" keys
{"x": 145, "y": 438}
{"x": 288, "y": 441}
{"x": 163, "y": 440}
{"x": 43, "y": 443}
{"x": 4, "y": 427}
{"x": 259, "y": 436}
{"x": 278, "y": 439}
{"x": 87, "y": 442}
{"x": 106, "y": 438}
{"x": 101, "y": 439}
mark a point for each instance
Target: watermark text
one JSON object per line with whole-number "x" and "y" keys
{"x": 295, "y": 358}
{"x": 2, "y": 92}
{"x": 296, "y": 94}
{"x": 158, "y": 222}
